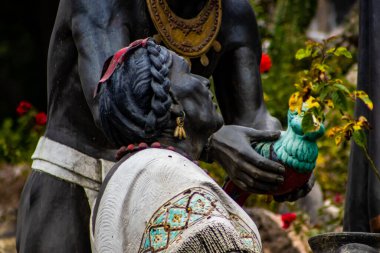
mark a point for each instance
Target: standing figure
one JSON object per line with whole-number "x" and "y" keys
{"x": 73, "y": 157}
{"x": 362, "y": 210}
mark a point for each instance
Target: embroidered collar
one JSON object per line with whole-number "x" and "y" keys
{"x": 190, "y": 38}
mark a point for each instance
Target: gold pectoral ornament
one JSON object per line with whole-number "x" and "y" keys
{"x": 179, "y": 131}
{"x": 190, "y": 38}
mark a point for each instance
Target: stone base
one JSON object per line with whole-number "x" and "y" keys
{"x": 335, "y": 242}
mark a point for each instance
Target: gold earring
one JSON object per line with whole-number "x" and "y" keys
{"x": 179, "y": 131}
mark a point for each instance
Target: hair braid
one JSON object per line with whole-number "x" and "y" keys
{"x": 134, "y": 103}
{"x": 161, "y": 60}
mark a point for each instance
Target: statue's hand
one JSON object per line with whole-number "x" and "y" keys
{"x": 231, "y": 147}
{"x": 297, "y": 193}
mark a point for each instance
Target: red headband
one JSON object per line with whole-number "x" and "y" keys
{"x": 117, "y": 59}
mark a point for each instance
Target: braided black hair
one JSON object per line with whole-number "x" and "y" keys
{"x": 134, "y": 102}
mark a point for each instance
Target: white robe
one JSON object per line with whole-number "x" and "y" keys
{"x": 139, "y": 190}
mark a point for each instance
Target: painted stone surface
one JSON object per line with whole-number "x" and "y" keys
{"x": 296, "y": 150}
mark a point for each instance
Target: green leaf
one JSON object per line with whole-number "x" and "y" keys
{"x": 324, "y": 92}
{"x": 365, "y": 98}
{"x": 339, "y": 100}
{"x": 343, "y": 51}
{"x": 313, "y": 44}
{"x": 310, "y": 122}
{"x": 331, "y": 50}
{"x": 302, "y": 53}
{"x": 342, "y": 88}
{"x": 360, "y": 138}
{"x": 316, "y": 52}
{"x": 307, "y": 123}
{"x": 321, "y": 67}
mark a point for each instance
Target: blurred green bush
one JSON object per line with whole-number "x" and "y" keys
{"x": 19, "y": 137}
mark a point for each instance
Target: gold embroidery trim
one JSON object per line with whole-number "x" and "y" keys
{"x": 190, "y": 38}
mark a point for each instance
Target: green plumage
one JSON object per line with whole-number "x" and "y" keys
{"x": 294, "y": 149}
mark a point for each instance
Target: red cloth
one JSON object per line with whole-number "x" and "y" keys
{"x": 117, "y": 59}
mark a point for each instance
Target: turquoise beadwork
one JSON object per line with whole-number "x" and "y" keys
{"x": 183, "y": 211}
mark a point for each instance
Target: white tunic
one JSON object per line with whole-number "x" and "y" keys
{"x": 141, "y": 188}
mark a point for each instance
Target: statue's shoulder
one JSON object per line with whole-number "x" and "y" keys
{"x": 240, "y": 10}
{"x": 239, "y": 26}
{"x": 97, "y": 8}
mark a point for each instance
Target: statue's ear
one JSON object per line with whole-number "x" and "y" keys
{"x": 176, "y": 109}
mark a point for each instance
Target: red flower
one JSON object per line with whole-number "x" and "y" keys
{"x": 41, "y": 118}
{"x": 23, "y": 107}
{"x": 266, "y": 63}
{"x": 338, "y": 199}
{"x": 287, "y": 219}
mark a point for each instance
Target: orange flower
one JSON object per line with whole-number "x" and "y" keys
{"x": 266, "y": 63}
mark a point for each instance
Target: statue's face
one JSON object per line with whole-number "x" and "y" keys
{"x": 193, "y": 93}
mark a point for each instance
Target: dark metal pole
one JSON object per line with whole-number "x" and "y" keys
{"x": 362, "y": 210}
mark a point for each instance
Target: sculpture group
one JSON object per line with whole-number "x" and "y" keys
{"x": 155, "y": 198}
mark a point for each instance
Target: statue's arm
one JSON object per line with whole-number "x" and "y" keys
{"x": 99, "y": 28}
{"x": 240, "y": 97}
{"x": 237, "y": 77}
{"x": 239, "y": 91}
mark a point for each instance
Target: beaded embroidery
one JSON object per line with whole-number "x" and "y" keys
{"x": 185, "y": 210}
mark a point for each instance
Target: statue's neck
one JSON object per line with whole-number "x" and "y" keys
{"x": 192, "y": 147}
{"x": 186, "y": 8}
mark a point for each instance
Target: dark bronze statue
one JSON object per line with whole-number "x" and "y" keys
{"x": 362, "y": 210}
{"x": 85, "y": 35}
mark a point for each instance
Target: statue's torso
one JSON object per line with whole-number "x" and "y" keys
{"x": 70, "y": 119}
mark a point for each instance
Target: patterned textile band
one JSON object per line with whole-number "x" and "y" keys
{"x": 195, "y": 208}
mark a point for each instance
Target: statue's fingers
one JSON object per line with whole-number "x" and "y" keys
{"x": 262, "y": 135}
{"x": 240, "y": 184}
{"x": 255, "y": 185}
{"x": 261, "y": 175}
{"x": 252, "y": 157}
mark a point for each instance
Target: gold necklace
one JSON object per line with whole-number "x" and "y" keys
{"x": 190, "y": 38}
